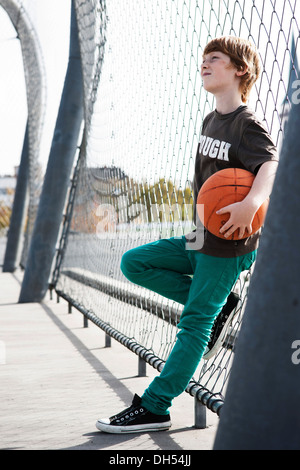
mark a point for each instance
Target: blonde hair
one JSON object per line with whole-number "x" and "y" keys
{"x": 243, "y": 54}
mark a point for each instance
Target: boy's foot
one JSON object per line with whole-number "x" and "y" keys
{"x": 220, "y": 326}
{"x": 136, "y": 418}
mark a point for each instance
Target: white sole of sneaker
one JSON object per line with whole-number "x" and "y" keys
{"x": 105, "y": 427}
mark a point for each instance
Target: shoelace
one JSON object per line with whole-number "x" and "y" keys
{"x": 130, "y": 415}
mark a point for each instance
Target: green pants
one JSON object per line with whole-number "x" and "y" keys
{"x": 165, "y": 267}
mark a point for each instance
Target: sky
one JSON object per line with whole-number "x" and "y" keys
{"x": 51, "y": 21}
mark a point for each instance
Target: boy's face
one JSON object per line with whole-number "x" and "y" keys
{"x": 218, "y": 73}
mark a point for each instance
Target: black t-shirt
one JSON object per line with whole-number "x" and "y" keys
{"x": 234, "y": 140}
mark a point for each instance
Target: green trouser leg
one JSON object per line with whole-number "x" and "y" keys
{"x": 163, "y": 267}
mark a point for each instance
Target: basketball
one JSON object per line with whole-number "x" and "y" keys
{"x": 221, "y": 189}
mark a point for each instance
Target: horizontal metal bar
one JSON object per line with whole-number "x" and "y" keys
{"x": 212, "y": 401}
{"x": 123, "y": 292}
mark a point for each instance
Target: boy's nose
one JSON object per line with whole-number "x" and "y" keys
{"x": 204, "y": 67}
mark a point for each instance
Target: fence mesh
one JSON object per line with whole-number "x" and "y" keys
{"x": 133, "y": 181}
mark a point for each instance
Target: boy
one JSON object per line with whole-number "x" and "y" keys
{"x": 231, "y": 137}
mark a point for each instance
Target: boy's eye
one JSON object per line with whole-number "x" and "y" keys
{"x": 211, "y": 58}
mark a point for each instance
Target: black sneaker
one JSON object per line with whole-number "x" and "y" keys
{"x": 221, "y": 325}
{"x": 136, "y": 418}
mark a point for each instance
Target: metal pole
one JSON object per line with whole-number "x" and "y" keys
{"x": 17, "y": 220}
{"x": 57, "y": 178}
{"x": 142, "y": 368}
{"x": 261, "y": 409}
{"x": 200, "y": 414}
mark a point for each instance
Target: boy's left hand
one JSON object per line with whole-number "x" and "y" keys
{"x": 241, "y": 217}
{"x": 242, "y": 213}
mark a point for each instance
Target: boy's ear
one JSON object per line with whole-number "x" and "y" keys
{"x": 242, "y": 70}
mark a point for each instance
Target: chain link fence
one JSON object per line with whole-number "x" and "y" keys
{"x": 144, "y": 106}
{"x": 134, "y": 184}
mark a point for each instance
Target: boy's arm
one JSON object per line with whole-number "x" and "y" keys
{"x": 242, "y": 213}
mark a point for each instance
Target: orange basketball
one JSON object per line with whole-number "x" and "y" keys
{"x": 221, "y": 189}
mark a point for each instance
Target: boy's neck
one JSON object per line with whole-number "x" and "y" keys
{"x": 227, "y": 103}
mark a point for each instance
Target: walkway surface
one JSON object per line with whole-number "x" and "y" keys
{"x": 57, "y": 378}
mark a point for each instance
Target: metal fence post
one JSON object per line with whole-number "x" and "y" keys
{"x": 200, "y": 414}
{"x": 142, "y": 368}
{"x": 17, "y": 220}
{"x": 57, "y": 177}
{"x": 261, "y": 409}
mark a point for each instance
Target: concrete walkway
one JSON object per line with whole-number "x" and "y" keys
{"x": 57, "y": 378}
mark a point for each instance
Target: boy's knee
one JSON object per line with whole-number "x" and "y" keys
{"x": 128, "y": 265}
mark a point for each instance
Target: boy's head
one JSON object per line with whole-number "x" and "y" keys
{"x": 243, "y": 56}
